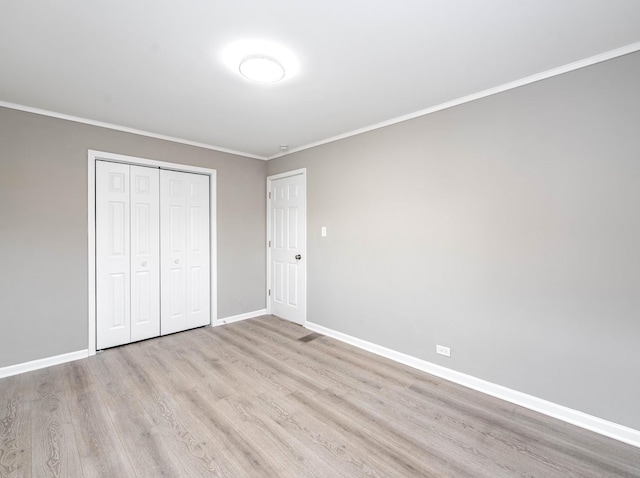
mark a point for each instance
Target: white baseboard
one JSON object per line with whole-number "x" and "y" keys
{"x": 80, "y": 354}
{"x": 42, "y": 363}
{"x": 574, "y": 417}
{"x": 239, "y": 317}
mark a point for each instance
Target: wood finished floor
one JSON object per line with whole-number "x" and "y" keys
{"x": 251, "y": 400}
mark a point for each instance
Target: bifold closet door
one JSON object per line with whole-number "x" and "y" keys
{"x": 113, "y": 277}
{"x": 145, "y": 253}
{"x": 127, "y": 254}
{"x": 185, "y": 262}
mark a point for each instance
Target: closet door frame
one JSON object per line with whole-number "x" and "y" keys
{"x": 94, "y": 156}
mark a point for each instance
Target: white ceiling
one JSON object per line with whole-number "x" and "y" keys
{"x": 156, "y": 65}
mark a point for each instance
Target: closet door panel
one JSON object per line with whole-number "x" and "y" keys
{"x": 145, "y": 253}
{"x": 113, "y": 276}
{"x": 184, "y": 219}
{"x": 173, "y": 284}
{"x": 198, "y": 282}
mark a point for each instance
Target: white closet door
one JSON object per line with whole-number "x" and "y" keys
{"x": 113, "y": 255}
{"x": 184, "y": 223}
{"x": 145, "y": 252}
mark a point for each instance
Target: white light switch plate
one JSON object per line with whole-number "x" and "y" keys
{"x": 323, "y": 231}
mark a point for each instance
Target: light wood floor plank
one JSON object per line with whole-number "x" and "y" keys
{"x": 522, "y": 430}
{"x": 281, "y": 445}
{"x": 137, "y": 432}
{"x": 352, "y": 377}
{"x": 247, "y": 374}
{"x": 168, "y": 437}
{"x": 187, "y": 439}
{"x": 15, "y": 427}
{"x": 435, "y": 435}
{"x": 54, "y": 448}
{"x": 294, "y": 357}
{"x": 225, "y": 436}
{"x": 101, "y": 451}
{"x": 336, "y": 447}
{"x": 250, "y": 399}
{"x": 292, "y": 378}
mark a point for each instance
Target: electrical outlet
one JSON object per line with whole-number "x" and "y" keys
{"x": 442, "y": 350}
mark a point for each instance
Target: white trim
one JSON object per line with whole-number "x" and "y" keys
{"x": 273, "y": 177}
{"x": 287, "y": 174}
{"x": 237, "y": 318}
{"x": 91, "y": 249}
{"x": 94, "y": 156}
{"x": 42, "y": 363}
{"x": 126, "y": 129}
{"x": 569, "y": 415}
{"x": 213, "y": 246}
{"x": 576, "y": 65}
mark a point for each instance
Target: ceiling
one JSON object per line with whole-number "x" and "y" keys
{"x": 157, "y": 65}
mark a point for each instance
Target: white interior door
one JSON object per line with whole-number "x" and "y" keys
{"x": 113, "y": 275}
{"x": 184, "y": 223}
{"x": 145, "y": 252}
{"x": 287, "y": 241}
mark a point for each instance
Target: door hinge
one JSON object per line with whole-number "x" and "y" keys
{"x": 269, "y": 243}
{"x": 269, "y": 195}
{"x": 269, "y": 291}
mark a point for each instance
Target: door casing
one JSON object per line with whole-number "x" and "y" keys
{"x": 94, "y": 156}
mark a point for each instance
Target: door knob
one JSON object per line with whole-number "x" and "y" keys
{"x": 176, "y": 261}
{"x": 298, "y": 257}
{"x": 144, "y": 264}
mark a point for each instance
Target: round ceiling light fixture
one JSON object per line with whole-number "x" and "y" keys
{"x": 261, "y": 68}
{"x": 260, "y": 61}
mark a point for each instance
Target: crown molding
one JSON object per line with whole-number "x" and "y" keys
{"x": 576, "y": 65}
{"x": 126, "y": 129}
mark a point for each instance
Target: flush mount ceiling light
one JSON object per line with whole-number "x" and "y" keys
{"x": 260, "y": 61}
{"x": 261, "y": 68}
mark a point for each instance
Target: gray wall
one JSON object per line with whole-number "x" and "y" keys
{"x": 43, "y": 228}
{"x": 507, "y": 229}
